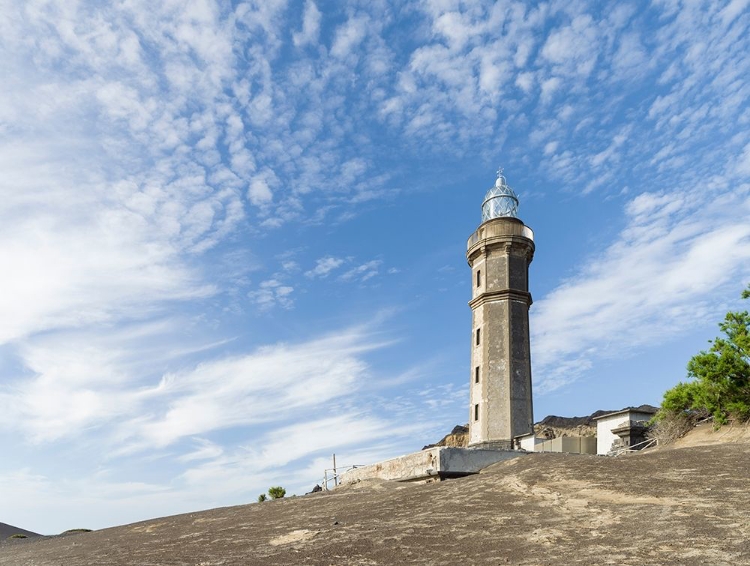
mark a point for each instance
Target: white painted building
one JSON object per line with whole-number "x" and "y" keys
{"x": 607, "y": 423}
{"x": 527, "y": 442}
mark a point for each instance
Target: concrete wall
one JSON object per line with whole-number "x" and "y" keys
{"x": 402, "y": 468}
{"x": 437, "y": 462}
{"x": 569, "y": 444}
{"x": 605, "y": 425}
{"x": 470, "y": 461}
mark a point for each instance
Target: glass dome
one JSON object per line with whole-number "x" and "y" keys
{"x": 500, "y": 201}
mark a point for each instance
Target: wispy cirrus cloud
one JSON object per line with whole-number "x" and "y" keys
{"x": 656, "y": 280}
{"x": 104, "y": 383}
{"x": 363, "y": 272}
{"x": 685, "y": 237}
{"x": 281, "y": 414}
{"x": 324, "y": 266}
{"x": 270, "y": 293}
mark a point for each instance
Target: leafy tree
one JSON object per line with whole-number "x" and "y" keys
{"x": 261, "y": 498}
{"x": 276, "y": 492}
{"x": 722, "y": 374}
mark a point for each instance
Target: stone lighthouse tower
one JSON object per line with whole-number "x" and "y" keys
{"x": 499, "y": 254}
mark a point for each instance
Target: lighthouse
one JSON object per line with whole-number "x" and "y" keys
{"x": 499, "y": 253}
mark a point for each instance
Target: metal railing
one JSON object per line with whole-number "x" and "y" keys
{"x": 334, "y": 475}
{"x": 634, "y": 448}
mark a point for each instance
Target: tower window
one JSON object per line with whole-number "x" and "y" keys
{"x": 479, "y": 277}
{"x": 479, "y": 333}
{"x": 476, "y": 374}
{"x": 476, "y": 412}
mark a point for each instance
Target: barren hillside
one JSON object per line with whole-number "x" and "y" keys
{"x": 687, "y": 506}
{"x": 9, "y": 530}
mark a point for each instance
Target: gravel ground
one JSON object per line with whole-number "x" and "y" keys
{"x": 686, "y": 506}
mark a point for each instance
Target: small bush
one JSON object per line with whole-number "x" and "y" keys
{"x": 261, "y": 498}
{"x": 18, "y": 535}
{"x": 74, "y": 531}
{"x": 276, "y": 492}
{"x": 667, "y": 426}
{"x": 720, "y": 376}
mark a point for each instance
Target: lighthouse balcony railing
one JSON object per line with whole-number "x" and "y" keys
{"x": 507, "y": 230}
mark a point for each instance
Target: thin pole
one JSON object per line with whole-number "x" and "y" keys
{"x": 335, "y": 475}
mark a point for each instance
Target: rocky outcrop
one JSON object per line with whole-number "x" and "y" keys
{"x": 458, "y": 438}
{"x": 578, "y": 426}
{"x": 554, "y": 426}
{"x": 548, "y": 428}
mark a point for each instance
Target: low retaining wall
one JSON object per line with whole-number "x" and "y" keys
{"x": 433, "y": 463}
{"x": 570, "y": 444}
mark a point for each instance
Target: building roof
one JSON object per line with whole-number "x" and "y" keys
{"x": 647, "y": 409}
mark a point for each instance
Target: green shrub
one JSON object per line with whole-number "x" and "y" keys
{"x": 722, "y": 375}
{"x": 74, "y": 531}
{"x": 18, "y": 535}
{"x": 681, "y": 397}
{"x": 261, "y": 498}
{"x": 276, "y": 492}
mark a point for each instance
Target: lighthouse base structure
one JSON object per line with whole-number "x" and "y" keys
{"x": 492, "y": 445}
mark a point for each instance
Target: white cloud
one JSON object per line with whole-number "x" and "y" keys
{"x": 259, "y": 192}
{"x": 348, "y": 36}
{"x": 84, "y": 380}
{"x": 272, "y": 292}
{"x": 549, "y": 87}
{"x": 363, "y": 272}
{"x": 236, "y": 391}
{"x": 653, "y": 282}
{"x": 455, "y": 27}
{"x": 290, "y": 266}
{"x": 204, "y": 450}
{"x": 525, "y": 81}
{"x": 76, "y": 261}
{"x": 630, "y": 55}
{"x": 84, "y": 384}
{"x": 573, "y": 48}
{"x": 324, "y": 266}
{"x": 310, "y": 26}
{"x": 742, "y": 166}
{"x": 732, "y": 10}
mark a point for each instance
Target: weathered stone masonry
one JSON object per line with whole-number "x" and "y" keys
{"x": 499, "y": 254}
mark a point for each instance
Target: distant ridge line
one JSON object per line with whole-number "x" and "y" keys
{"x": 9, "y": 530}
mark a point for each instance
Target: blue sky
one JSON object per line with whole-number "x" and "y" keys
{"x": 232, "y": 234}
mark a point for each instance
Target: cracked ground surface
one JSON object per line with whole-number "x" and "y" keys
{"x": 686, "y": 506}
